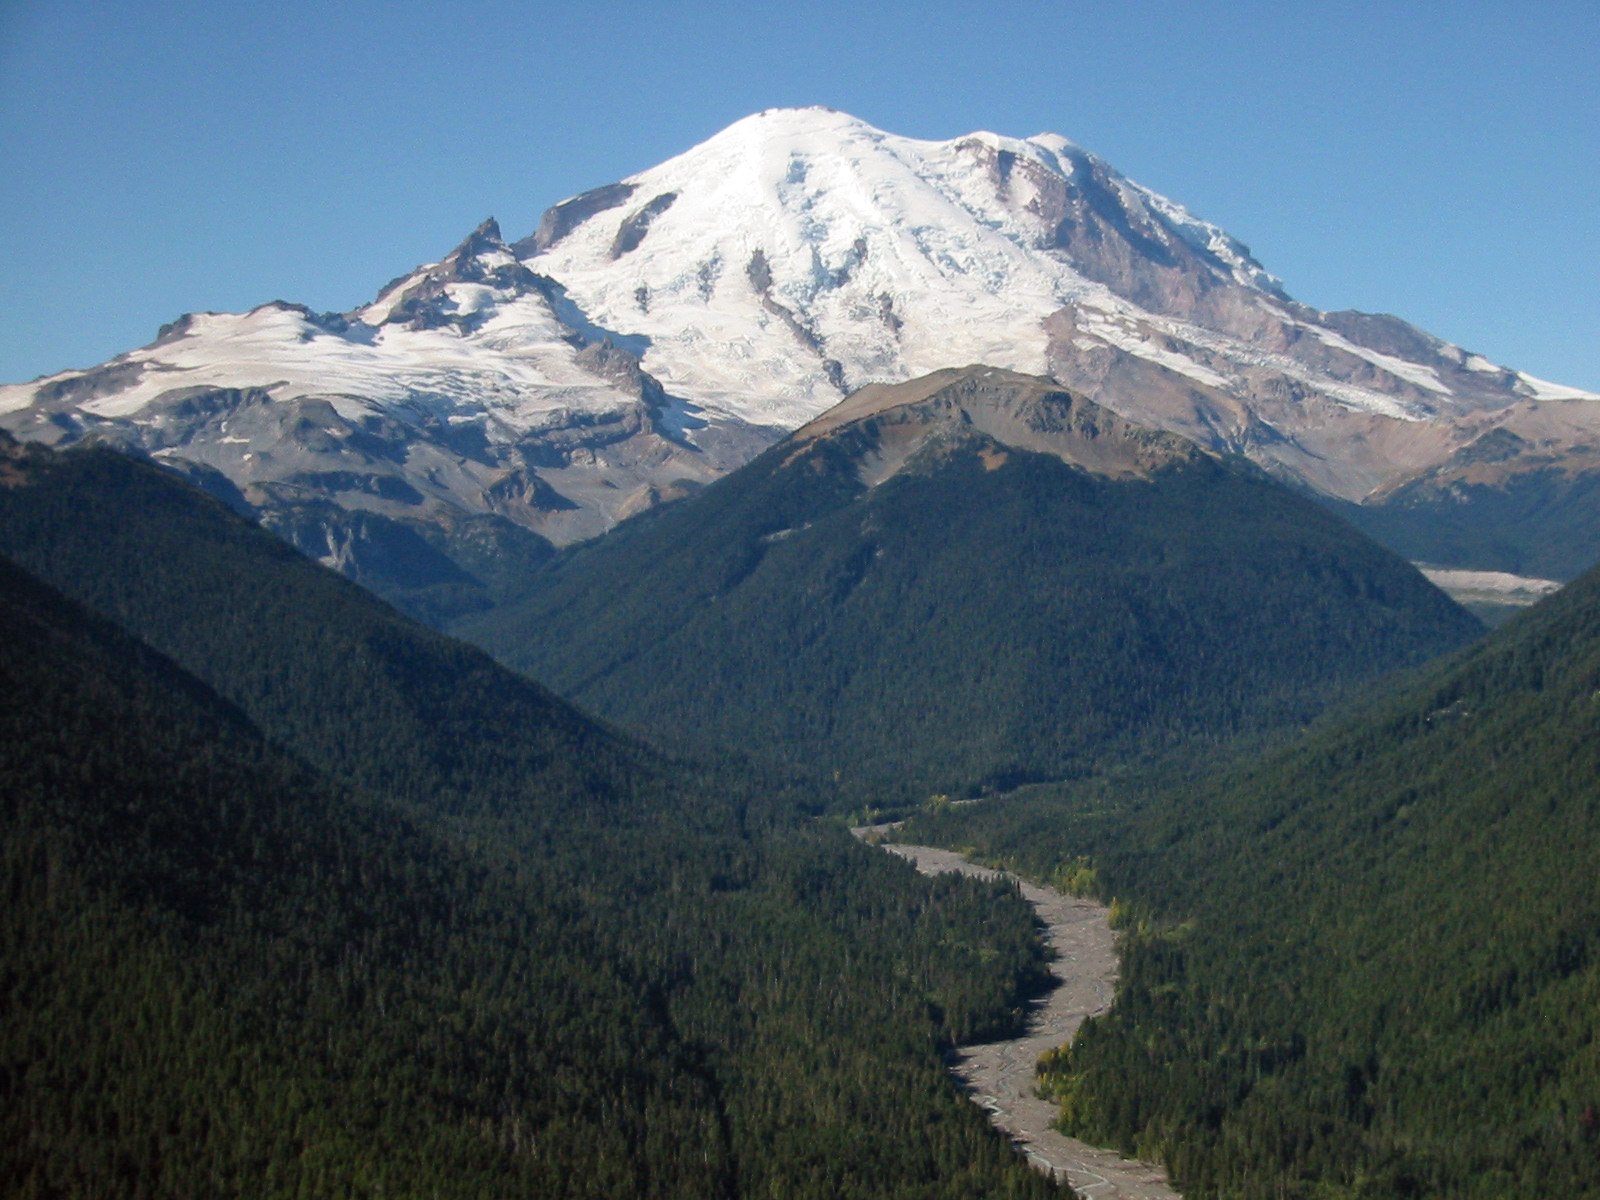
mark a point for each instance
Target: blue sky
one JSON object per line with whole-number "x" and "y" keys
{"x": 1439, "y": 162}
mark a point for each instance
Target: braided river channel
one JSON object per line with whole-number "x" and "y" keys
{"x": 999, "y": 1076}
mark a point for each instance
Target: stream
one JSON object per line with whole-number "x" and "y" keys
{"x": 999, "y": 1076}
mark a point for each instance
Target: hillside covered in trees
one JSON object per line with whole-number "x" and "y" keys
{"x": 310, "y": 899}
{"x": 1367, "y": 964}
{"x": 305, "y": 899}
{"x": 968, "y": 582}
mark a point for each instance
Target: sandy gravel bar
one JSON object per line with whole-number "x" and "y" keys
{"x": 1000, "y": 1075}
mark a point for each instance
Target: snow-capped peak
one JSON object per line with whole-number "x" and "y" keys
{"x": 800, "y": 253}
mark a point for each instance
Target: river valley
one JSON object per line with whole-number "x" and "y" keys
{"x": 999, "y": 1076}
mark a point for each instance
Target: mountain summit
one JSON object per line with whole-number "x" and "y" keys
{"x": 654, "y": 333}
{"x": 998, "y": 412}
{"x": 869, "y": 256}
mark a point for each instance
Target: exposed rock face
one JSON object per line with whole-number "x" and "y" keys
{"x": 894, "y": 426}
{"x": 868, "y": 257}
{"x": 560, "y": 219}
{"x": 633, "y": 229}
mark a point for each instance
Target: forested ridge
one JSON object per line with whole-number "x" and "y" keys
{"x": 223, "y": 974}
{"x": 307, "y": 900}
{"x": 987, "y": 617}
{"x": 1362, "y": 965}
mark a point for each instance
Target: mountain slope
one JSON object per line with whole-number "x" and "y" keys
{"x": 970, "y": 581}
{"x": 1504, "y": 499}
{"x": 369, "y": 698}
{"x": 1368, "y": 965}
{"x": 656, "y": 332}
{"x": 800, "y": 254}
{"x": 438, "y": 934}
{"x": 225, "y": 975}
{"x": 803, "y": 237}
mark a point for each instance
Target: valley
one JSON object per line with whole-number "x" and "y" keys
{"x": 1362, "y": 959}
{"x": 323, "y": 898}
{"x": 1493, "y": 596}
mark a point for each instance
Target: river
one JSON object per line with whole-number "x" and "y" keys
{"x": 1000, "y": 1075}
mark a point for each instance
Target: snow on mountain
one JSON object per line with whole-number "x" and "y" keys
{"x": 656, "y": 332}
{"x": 794, "y": 239}
{"x": 474, "y": 335}
{"x": 460, "y": 390}
{"x": 801, "y": 253}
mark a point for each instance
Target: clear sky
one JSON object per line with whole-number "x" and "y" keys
{"x": 1438, "y": 161}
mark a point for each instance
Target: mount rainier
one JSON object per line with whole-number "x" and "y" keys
{"x": 655, "y": 333}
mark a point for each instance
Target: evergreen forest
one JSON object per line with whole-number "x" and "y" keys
{"x": 1366, "y": 963}
{"x": 305, "y": 899}
{"x": 967, "y": 627}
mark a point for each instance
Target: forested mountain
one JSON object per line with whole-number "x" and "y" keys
{"x": 310, "y": 900}
{"x": 306, "y": 899}
{"x": 315, "y": 661}
{"x": 965, "y": 582}
{"x": 1532, "y": 518}
{"x": 1368, "y": 965}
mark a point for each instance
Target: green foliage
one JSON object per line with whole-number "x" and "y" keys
{"x": 224, "y": 976}
{"x": 307, "y": 900}
{"x": 1076, "y": 878}
{"x": 1538, "y": 522}
{"x": 964, "y": 629}
{"x": 1390, "y": 964}
{"x": 350, "y": 685}
{"x": 434, "y": 570}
